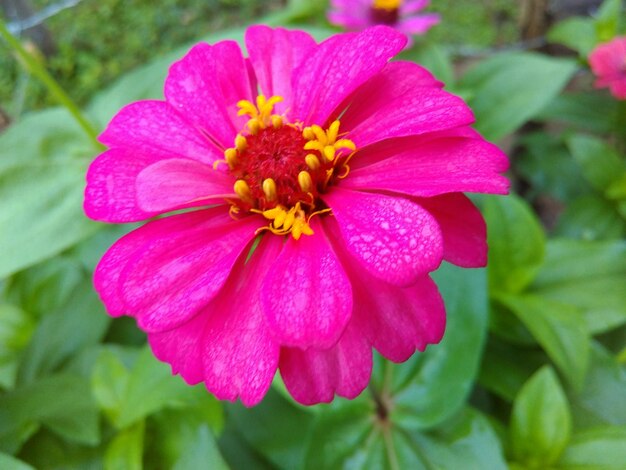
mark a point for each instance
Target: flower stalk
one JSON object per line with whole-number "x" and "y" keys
{"x": 35, "y": 67}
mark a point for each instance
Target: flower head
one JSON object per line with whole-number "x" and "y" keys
{"x": 403, "y": 15}
{"x": 322, "y": 184}
{"x": 608, "y": 62}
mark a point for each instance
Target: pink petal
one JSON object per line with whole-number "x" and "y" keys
{"x": 350, "y": 20}
{"x": 228, "y": 344}
{"x": 418, "y": 24}
{"x": 176, "y": 274}
{"x": 182, "y": 348}
{"x": 394, "y": 239}
{"x": 176, "y": 183}
{"x": 195, "y": 87}
{"x": 396, "y": 320}
{"x": 147, "y": 126}
{"x": 110, "y": 267}
{"x": 607, "y": 59}
{"x": 307, "y": 296}
{"x": 388, "y": 148}
{"x": 463, "y": 229}
{"x": 110, "y": 195}
{"x": 316, "y": 375}
{"x": 413, "y": 6}
{"x": 236, "y": 80}
{"x": 402, "y": 111}
{"x": 274, "y": 54}
{"x": 337, "y": 67}
{"x": 240, "y": 356}
{"x": 618, "y": 88}
{"x": 436, "y": 167}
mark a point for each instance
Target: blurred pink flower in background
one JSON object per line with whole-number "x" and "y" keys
{"x": 318, "y": 199}
{"x": 608, "y": 63}
{"x": 355, "y": 15}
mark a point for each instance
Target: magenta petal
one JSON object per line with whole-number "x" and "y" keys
{"x": 418, "y": 24}
{"x": 240, "y": 356}
{"x": 274, "y": 54}
{"x": 396, "y": 320}
{"x": 394, "y": 239}
{"x": 440, "y": 166}
{"x": 399, "y": 320}
{"x": 176, "y": 183}
{"x": 147, "y": 126}
{"x": 316, "y": 375}
{"x": 177, "y": 274}
{"x": 181, "y": 347}
{"x": 110, "y": 267}
{"x": 463, "y": 229}
{"x": 307, "y": 296}
{"x": 110, "y": 195}
{"x": 402, "y": 111}
{"x": 337, "y": 67}
{"x": 192, "y": 88}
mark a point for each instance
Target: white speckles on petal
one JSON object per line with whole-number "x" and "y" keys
{"x": 394, "y": 239}
{"x": 307, "y": 296}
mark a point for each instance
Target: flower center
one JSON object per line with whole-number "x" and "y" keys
{"x": 385, "y": 11}
{"x": 281, "y": 168}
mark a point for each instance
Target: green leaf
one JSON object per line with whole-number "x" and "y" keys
{"x": 601, "y": 401}
{"x": 540, "y": 421}
{"x": 125, "y": 452}
{"x": 179, "y": 432}
{"x": 577, "y": 33}
{"x": 46, "y": 286}
{"x": 129, "y": 394}
{"x": 516, "y": 243}
{"x": 56, "y": 338}
{"x": 559, "y": 328}
{"x": 8, "y": 462}
{"x": 61, "y": 402}
{"x": 41, "y": 212}
{"x": 599, "y": 448}
{"x": 589, "y": 275}
{"x": 601, "y": 164}
{"x": 16, "y": 329}
{"x": 435, "y": 58}
{"x": 43, "y": 159}
{"x": 591, "y": 218}
{"x": 467, "y": 441}
{"x": 608, "y": 20}
{"x": 275, "y": 428}
{"x": 202, "y": 452}
{"x": 506, "y": 91}
{"x": 502, "y": 371}
{"x": 343, "y": 436}
{"x": 449, "y": 368}
{"x": 586, "y": 111}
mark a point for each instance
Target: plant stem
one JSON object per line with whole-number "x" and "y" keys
{"x": 35, "y": 67}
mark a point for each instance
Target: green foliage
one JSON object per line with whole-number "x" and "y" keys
{"x": 530, "y": 373}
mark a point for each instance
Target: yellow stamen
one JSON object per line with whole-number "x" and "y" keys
{"x": 387, "y": 4}
{"x": 312, "y": 161}
{"x": 305, "y": 181}
{"x": 241, "y": 143}
{"x": 277, "y": 121}
{"x": 243, "y": 191}
{"x": 231, "y": 157}
{"x": 283, "y": 221}
{"x": 260, "y": 115}
{"x": 269, "y": 189}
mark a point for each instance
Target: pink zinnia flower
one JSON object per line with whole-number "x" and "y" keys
{"x": 608, "y": 62}
{"x": 321, "y": 184}
{"x": 355, "y": 15}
